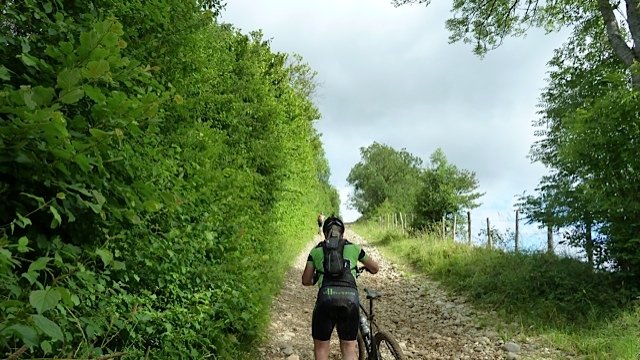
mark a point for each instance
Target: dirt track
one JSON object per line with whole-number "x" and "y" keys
{"x": 427, "y": 322}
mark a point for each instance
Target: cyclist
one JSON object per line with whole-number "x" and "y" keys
{"x": 337, "y": 304}
{"x": 321, "y": 218}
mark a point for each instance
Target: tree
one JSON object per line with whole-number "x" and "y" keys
{"x": 445, "y": 189}
{"x": 486, "y": 23}
{"x": 589, "y": 126}
{"x": 384, "y": 174}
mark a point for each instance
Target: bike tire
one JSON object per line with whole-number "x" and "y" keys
{"x": 384, "y": 340}
{"x": 362, "y": 351}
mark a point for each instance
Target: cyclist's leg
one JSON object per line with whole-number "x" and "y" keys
{"x": 321, "y": 349}
{"x": 347, "y": 326}
{"x": 349, "y": 349}
{"x": 322, "y": 324}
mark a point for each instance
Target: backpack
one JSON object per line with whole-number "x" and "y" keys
{"x": 334, "y": 264}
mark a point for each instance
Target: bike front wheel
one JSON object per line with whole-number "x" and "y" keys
{"x": 387, "y": 346}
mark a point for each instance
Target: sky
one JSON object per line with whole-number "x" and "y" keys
{"x": 389, "y": 75}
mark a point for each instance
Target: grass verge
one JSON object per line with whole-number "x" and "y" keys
{"x": 563, "y": 301}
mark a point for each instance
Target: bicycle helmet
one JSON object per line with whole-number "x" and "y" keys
{"x": 333, "y": 226}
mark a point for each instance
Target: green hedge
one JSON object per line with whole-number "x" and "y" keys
{"x": 158, "y": 171}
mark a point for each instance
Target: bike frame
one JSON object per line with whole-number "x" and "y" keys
{"x": 370, "y": 344}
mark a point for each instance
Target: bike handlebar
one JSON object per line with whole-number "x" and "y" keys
{"x": 361, "y": 269}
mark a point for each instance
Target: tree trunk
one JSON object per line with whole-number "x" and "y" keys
{"x": 625, "y": 53}
{"x": 633, "y": 21}
{"x": 588, "y": 246}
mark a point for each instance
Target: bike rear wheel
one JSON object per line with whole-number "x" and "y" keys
{"x": 387, "y": 346}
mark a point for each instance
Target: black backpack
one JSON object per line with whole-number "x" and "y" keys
{"x": 335, "y": 267}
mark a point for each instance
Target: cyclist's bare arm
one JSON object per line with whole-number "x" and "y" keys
{"x": 371, "y": 265}
{"x": 307, "y": 274}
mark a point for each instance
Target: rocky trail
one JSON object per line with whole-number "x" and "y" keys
{"x": 428, "y": 322}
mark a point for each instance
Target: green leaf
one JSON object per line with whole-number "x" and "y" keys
{"x": 22, "y": 221}
{"x": 22, "y": 244}
{"x": 152, "y": 205}
{"x": 28, "y": 60}
{"x": 46, "y": 347}
{"x": 83, "y": 162}
{"x": 71, "y": 96}
{"x": 23, "y": 158}
{"x": 94, "y": 93}
{"x": 27, "y": 97}
{"x": 61, "y": 195}
{"x": 99, "y": 134}
{"x": 65, "y": 295}
{"x": 43, "y": 300}
{"x": 38, "y": 199}
{"x": 105, "y": 255}
{"x": 4, "y": 73}
{"x": 43, "y": 95}
{"x": 88, "y": 41}
{"x": 31, "y": 276}
{"x": 26, "y": 333}
{"x": 133, "y": 217}
{"x": 96, "y": 69}
{"x": 57, "y": 220}
{"x": 47, "y": 7}
{"x": 68, "y": 78}
{"x": 48, "y": 327}
{"x": 39, "y": 264}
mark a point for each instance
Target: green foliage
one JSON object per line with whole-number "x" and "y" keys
{"x": 485, "y": 24}
{"x": 589, "y": 124}
{"x": 445, "y": 190}
{"x": 591, "y": 313}
{"x": 387, "y": 181}
{"x": 156, "y": 170}
{"x": 384, "y": 174}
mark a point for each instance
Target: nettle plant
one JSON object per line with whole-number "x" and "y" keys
{"x": 65, "y": 110}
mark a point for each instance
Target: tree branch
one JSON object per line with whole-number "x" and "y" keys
{"x": 616, "y": 40}
{"x": 18, "y": 353}
{"x": 633, "y": 19}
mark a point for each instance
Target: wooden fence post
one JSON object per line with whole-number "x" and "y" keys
{"x": 453, "y": 235}
{"x": 489, "y": 245}
{"x": 517, "y": 231}
{"x": 443, "y": 229}
{"x": 469, "y": 227}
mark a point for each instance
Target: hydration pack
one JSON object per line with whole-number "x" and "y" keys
{"x": 335, "y": 267}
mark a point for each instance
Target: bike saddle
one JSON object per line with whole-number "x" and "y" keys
{"x": 372, "y": 294}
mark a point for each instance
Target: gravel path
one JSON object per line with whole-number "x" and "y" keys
{"x": 427, "y": 322}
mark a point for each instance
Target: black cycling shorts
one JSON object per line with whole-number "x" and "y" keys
{"x": 336, "y": 307}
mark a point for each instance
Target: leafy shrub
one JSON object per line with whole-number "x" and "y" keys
{"x": 156, "y": 170}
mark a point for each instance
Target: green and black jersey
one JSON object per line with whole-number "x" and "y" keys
{"x": 352, "y": 253}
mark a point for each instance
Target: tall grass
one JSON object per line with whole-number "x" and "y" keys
{"x": 580, "y": 310}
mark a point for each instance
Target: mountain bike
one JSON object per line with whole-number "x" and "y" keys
{"x": 373, "y": 342}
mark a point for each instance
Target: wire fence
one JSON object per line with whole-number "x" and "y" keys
{"x": 503, "y": 229}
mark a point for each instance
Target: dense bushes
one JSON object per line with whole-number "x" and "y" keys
{"x": 156, "y": 172}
